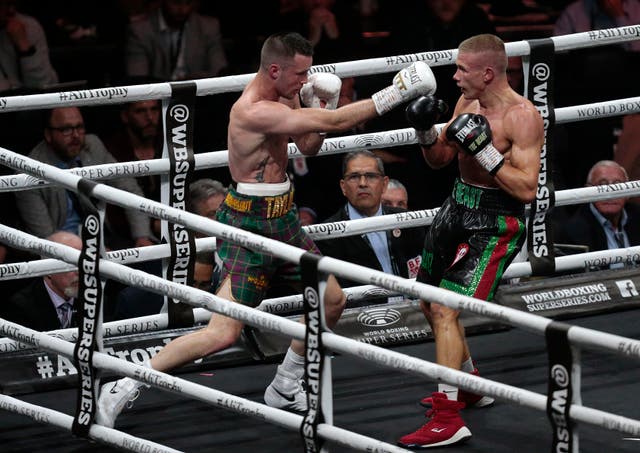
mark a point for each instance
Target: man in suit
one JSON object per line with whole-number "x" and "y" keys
{"x": 46, "y": 303}
{"x": 395, "y": 251}
{"x": 175, "y": 43}
{"x": 46, "y": 210}
{"x": 606, "y": 224}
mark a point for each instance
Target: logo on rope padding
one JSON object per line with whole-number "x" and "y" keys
{"x": 379, "y": 317}
{"x": 367, "y": 140}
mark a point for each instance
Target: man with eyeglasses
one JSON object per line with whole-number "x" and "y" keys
{"x": 394, "y": 251}
{"x": 66, "y": 145}
{"x": 605, "y": 224}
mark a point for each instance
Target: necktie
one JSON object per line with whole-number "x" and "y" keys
{"x": 65, "y": 314}
{"x": 619, "y": 236}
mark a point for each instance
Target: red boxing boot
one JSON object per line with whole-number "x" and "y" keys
{"x": 445, "y": 427}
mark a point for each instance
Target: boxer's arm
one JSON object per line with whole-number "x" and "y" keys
{"x": 519, "y": 174}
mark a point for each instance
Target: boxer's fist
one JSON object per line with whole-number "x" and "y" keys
{"x": 422, "y": 114}
{"x": 321, "y": 90}
{"x": 411, "y": 82}
{"x": 473, "y": 134}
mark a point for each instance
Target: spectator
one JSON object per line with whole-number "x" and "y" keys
{"x": 606, "y": 224}
{"x": 437, "y": 25}
{"x": 329, "y": 25}
{"x": 307, "y": 216}
{"x": 138, "y": 137}
{"x": 395, "y": 195}
{"x": 606, "y": 67}
{"x": 175, "y": 43}
{"x": 65, "y": 145}
{"x": 206, "y": 196}
{"x": 395, "y": 251}
{"x": 24, "y": 52}
{"x": 627, "y": 151}
{"x": 587, "y": 15}
{"x": 46, "y": 303}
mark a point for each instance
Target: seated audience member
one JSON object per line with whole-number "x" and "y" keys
{"x": 46, "y": 303}
{"x": 138, "y": 137}
{"x": 307, "y": 216}
{"x": 606, "y": 224}
{"x": 175, "y": 42}
{"x": 587, "y": 15}
{"x": 206, "y": 195}
{"x": 24, "y": 52}
{"x": 395, "y": 195}
{"x": 394, "y": 251}
{"x": 65, "y": 145}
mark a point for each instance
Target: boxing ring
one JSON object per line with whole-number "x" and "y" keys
{"x": 397, "y": 378}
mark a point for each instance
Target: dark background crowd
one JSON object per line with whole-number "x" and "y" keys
{"x": 72, "y": 45}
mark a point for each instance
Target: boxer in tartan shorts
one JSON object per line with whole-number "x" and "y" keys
{"x": 265, "y": 118}
{"x": 251, "y": 272}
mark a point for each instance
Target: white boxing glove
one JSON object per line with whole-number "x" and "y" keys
{"x": 321, "y": 86}
{"x": 409, "y": 83}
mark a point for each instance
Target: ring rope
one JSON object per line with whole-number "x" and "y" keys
{"x": 198, "y": 392}
{"x": 336, "y": 145}
{"x": 294, "y": 302}
{"x": 266, "y": 245}
{"x": 576, "y": 411}
{"x": 151, "y": 323}
{"x": 108, "y": 436}
{"x": 253, "y": 317}
{"x": 336, "y": 343}
{"x": 275, "y": 248}
{"x": 371, "y": 66}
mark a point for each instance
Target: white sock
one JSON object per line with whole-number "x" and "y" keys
{"x": 293, "y": 363}
{"x": 467, "y": 366}
{"x": 449, "y": 390}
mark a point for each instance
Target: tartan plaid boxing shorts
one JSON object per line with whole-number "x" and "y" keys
{"x": 251, "y": 272}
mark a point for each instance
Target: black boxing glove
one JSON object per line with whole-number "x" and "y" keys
{"x": 473, "y": 134}
{"x": 422, "y": 114}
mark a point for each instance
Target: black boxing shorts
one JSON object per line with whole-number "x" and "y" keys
{"x": 473, "y": 238}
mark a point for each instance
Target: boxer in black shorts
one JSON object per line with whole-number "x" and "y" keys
{"x": 472, "y": 240}
{"x": 496, "y": 136}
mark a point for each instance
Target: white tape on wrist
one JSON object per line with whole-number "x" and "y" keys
{"x": 428, "y": 137}
{"x": 387, "y": 99}
{"x": 490, "y": 158}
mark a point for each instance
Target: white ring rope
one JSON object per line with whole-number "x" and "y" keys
{"x": 39, "y": 268}
{"x": 336, "y": 343}
{"x": 160, "y": 321}
{"x": 261, "y": 244}
{"x": 115, "y": 95}
{"x": 577, "y": 335}
{"x": 337, "y": 145}
{"x": 108, "y": 436}
{"x": 198, "y": 392}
